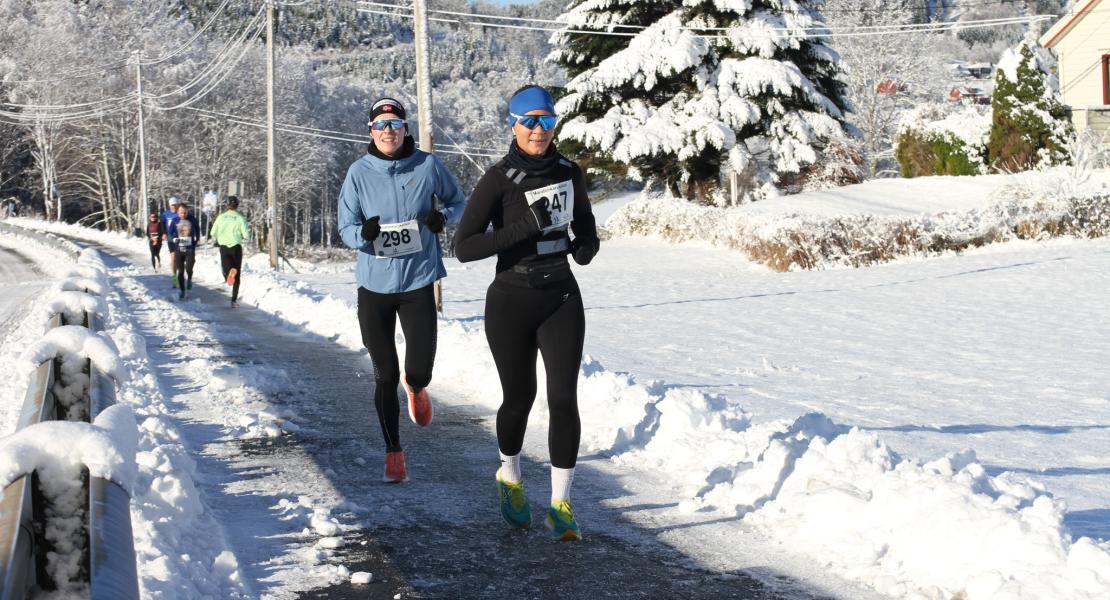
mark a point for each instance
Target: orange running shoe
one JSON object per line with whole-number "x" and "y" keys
{"x": 395, "y": 471}
{"x": 420, "y": 405}
{"x": 231, "y": 276}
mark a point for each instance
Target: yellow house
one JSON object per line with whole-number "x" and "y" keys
{"x": 1081, "y": 41}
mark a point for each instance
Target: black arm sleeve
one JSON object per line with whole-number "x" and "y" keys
{"x": 584, "y": 225}
{"x": 472, "y": 241}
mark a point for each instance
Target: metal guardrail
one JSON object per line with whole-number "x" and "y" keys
{"x": 113, "y": 574}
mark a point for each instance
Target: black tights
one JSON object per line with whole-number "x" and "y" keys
{"x": 377, "y": 318}
{"x": 520, "y": 321}
{"x": 184, "y": 261}
{"x": 231, "y": 257}
{"x": 155, "y": 255}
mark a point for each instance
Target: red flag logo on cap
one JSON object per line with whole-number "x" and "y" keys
{"x": 387, "y": 108}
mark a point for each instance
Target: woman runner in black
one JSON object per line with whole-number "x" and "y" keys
{"x": 155, "y": 233}
{"x": 532, "y": 197}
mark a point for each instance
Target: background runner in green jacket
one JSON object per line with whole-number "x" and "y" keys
{"x": 229, "y": 230}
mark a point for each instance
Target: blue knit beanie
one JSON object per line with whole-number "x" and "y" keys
{"x": 529, "y": 98}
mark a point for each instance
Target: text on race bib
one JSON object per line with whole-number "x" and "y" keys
{"x": 558, "y": 200}
{"x": 398, "y": 239}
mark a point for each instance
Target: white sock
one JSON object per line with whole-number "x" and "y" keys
{"x": 560, "y": 483}
{"x": 510, "y": 468}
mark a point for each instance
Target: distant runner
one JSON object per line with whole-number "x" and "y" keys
{"x": 168, "y": 217}
{"x": 387, "y": 212}
{"x": 532, "y": 198}
{"x": 229, "y": 230}
{"x": 155, "y": 234}
{"x": 185, "y": 234}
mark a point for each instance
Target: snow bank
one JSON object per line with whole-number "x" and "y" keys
{"x": 180, "y": 550}
{"x": 74, "y": 305}
{"x": 939, "y": 530}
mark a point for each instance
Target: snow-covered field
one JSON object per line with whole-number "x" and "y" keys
{"x": 925, "y": 428}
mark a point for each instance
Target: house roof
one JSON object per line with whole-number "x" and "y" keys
{"x": 1067, "y": 21}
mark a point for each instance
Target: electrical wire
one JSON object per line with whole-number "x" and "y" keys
{"x": 601, "y": 27}
{"x": 312, "y": 132}
{"x": 230, "y": 47}
{"x": 824, "y": 32}
{"x": 207, "y": 25}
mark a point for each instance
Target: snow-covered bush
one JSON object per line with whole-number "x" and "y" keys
{"x": 943, "y": 139}
{"x": 1030, "y": 122}
{"x": 815, "y": 242}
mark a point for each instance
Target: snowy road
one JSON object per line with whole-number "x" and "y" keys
{"x": 999, "y": 350}
{"x": 438, "y": 536}
{"x": 19, "y": 281}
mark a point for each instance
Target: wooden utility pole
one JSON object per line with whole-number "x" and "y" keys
{"x": 271, "y": 187}
{"x": 142, "y": 139}
{"x": 423, "y": 74}
{"x": 424, "y": 96}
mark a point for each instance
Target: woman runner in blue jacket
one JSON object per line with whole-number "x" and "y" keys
{"x": 387, "y": 212}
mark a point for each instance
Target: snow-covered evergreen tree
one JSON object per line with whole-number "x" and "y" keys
{"x": 1030, "y": 122}
{"x": 712, "y": 85}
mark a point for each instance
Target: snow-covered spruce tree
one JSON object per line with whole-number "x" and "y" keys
{"x": 712, "y": 85}
{"x": 615, "y": 22}
{"x": 1030, "y": 124}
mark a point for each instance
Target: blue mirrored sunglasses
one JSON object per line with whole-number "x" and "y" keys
{"x": 387, "y": 123}
{"x": 547, "y": 122}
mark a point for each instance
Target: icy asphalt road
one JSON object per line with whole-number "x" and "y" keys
{"x": 437, "y": 536}
{"x": 19, "y": 282}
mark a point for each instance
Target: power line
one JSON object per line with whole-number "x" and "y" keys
{"x": 606, "y": 29}
{"x": 207, "y": 25}
{"x": 825, "y": 32}
{"x": 312, "y": 132}
{"x": 210, "y": 85}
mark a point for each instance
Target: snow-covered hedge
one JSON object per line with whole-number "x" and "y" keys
{"x": 943, "y": 139}
{"x": 800, "y": 241}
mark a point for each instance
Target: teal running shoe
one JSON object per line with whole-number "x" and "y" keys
{"x": 560, "y": 520}
{"x": 514, "y": 503}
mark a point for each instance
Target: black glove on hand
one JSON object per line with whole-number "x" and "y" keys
{"x": 541, "y": 215}
{"x": 584, "y": 249}
{"x": 435, "y": 221}
{"x": 370, "y": 229}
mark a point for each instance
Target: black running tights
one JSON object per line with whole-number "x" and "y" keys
{"x": 232, "y": 257}
{"x": 377, "y": 318}
{"x": 519, "y": 322}
{"x": 155, "y": 255}
{"x": 184, "y": 261}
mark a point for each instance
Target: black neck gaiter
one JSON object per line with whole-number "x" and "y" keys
{"x": 535, "y": 165}
{"x": 405, "y": 151}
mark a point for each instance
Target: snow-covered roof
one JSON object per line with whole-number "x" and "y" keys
{"x": 1067, "y": 21}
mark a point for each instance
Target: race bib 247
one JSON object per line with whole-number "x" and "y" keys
{"x": 558, "y": 200}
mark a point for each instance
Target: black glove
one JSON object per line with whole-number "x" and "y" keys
{"x": 540, "y": 215}
{"x": 435, "y": 221}
{"x": 584, "y": 249}
{"x": 370, "y": 229}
